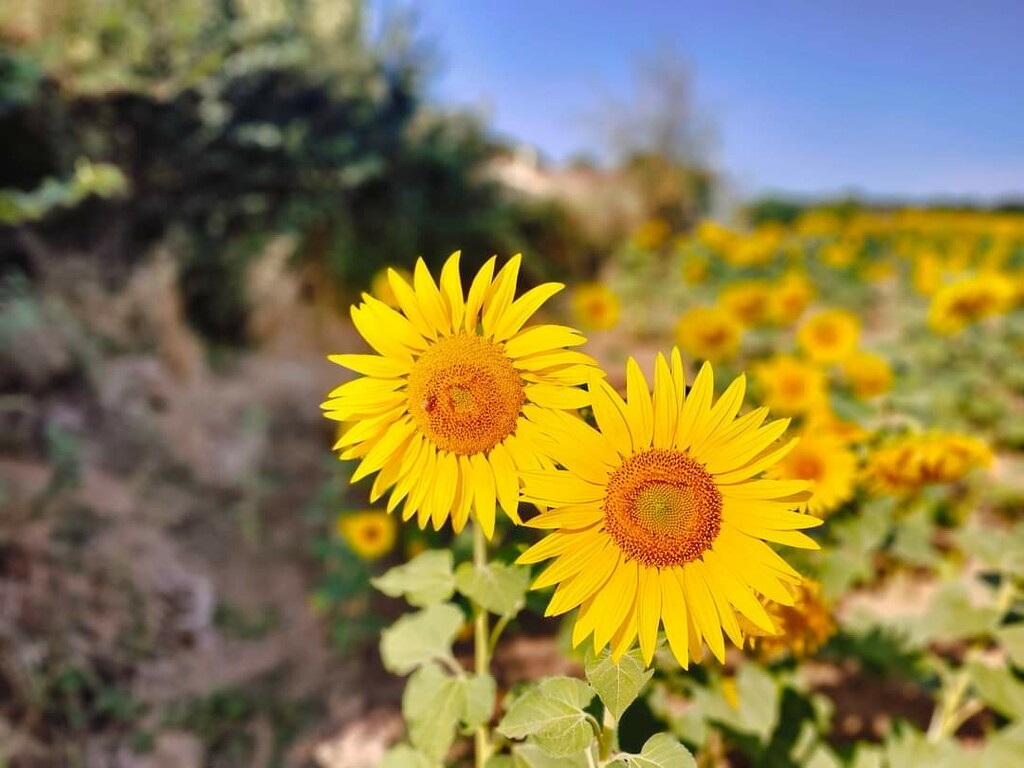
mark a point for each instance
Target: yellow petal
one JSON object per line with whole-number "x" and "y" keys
{"x": 498, "y": 299}
{"x": 429, "y": 297}
{"x": 377, "y": 336}
{"x": 610, "y": 412}
{"x": 506, "y": 481}
{"x": 666, "y": 407}
{"x": 554, "y": 396}
{"x": 477, "y": 291}
{"x": 484, "y": 493}
{"x": 410, "y": 305}
{"x": 639, "y": 411}
{"x": 559, "y": 488}
{"x": 523, "y": 308}
{"x": 702, "y": 608}
{"x": 451, "y": 290}
{"x": 372, "y": 365}
{"x": 573, "y": 517}
{"x": 573, "y": 591}
{"x": 648, "y": 612}
{"x": 696, "y": 406}
{"x": 674, "y": 614}
{"x": 615, "y": 601}
{"x": 542, "y": 338}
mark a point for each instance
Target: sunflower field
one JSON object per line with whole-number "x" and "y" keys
{"x": 770, "y": 508}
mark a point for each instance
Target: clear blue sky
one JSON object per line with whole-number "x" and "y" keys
{"x": 805, "y": 96}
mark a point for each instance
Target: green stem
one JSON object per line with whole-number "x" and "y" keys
{"x": 499, "y": 627}
{"x": 607, "y": 740}
{"x": 481, "y": 645}
{"x": 943, "y": 720}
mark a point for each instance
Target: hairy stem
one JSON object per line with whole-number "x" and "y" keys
{"x": 481, "y": 644}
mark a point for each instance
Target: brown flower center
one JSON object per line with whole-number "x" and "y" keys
{"x": 464, "y": 394}
{"x": 662, "y": 508}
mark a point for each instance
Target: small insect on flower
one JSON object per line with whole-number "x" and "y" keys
{"x": 444, "y": 412}
{"x": 660, "y": 515}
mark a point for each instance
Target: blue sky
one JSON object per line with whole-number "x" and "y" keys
{"x": 804, "y": 96}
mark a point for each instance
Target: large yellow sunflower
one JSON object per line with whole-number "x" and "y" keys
{"x": 659, "y": 516}
{"x": 442, "y": 411}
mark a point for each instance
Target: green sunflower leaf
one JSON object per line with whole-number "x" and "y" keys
{"x": 660, "y": 751}
{"x": 999, "y": 688}
{"x": 618, "y": 685}
{"x": 497, "y": 587}
{"x": 432, "y": 704}
{"x": 480, "y": 692}
{"x": 417, "y": 638}
{"x": 425, "y": 580}
{"x": 531, "y": 756}
{"x": 552, "y": 716}
{"x": 404, "y": 756}
{"x": 1012, "y": 640}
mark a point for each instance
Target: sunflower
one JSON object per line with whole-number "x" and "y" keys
{"x": 959, "y": 304}
{"x": 870, "y": 375}
{"x": 442, "y": 412}
{"x": 659, "y": 515}
{"x": 595, "y": 306}
{"x": 822, "y": 420}
{"x": 911, "y": 462}
{"x": 748, "y": 301}
{"x": 709, "y": 332}
{"x": 370, "y": 534}
{"x": 830, "y": 336}
{"x": 803, "y": 627}
{"x": 827, "y": 463}
{"x": 790, "y": 297}
{"x": 792, "y": 385}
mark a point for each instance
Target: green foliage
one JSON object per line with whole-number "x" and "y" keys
{"x": 435, "y": 703}
{"x": 552, "y": 715}
{"x": 100, "y": 179}
{"x": 499, "y": 588}
{"x": 425, "y": 580}
{"x": 617, "y": 685}
{"x": 420, "y": 637}
{"x": 660, "y": 751}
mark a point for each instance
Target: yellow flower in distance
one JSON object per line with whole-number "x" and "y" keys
{"x": 370, "y": 534}
{"x": 803, "y": 627}
{"x": 659, "y": 516}
{"x": 829, "y": 336}
{"x": 821, "y": 420}
{"x": 595, "y": 306}
{"x": 749, "y": 301}
{"x": 790, "y": 298}
{"x": 959, "y": 304}
{"x": 710, "y": 333}
{"x": 870, "y": 375}
{"x": 441, "y": 411}
{"x": 827, "y": 464}
{"x": 910, "y": 462}
{"x": 792, "y": 385}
